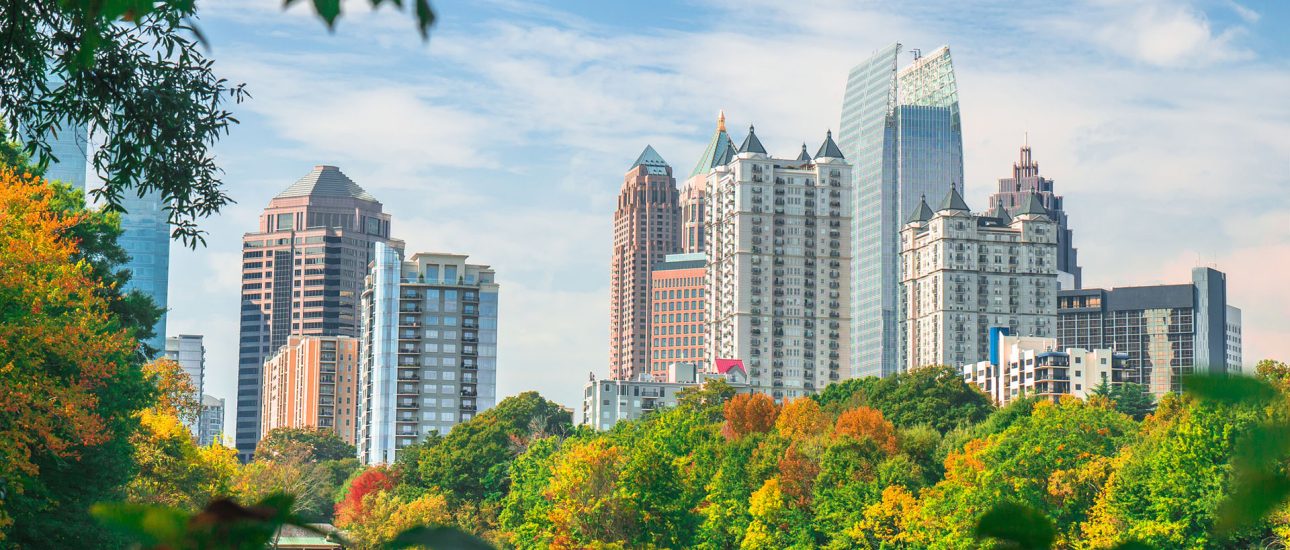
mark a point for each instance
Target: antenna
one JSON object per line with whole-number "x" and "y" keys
{"x": 918, "y": 53}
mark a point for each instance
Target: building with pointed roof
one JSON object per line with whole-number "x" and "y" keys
{"x": 900, "y": 126}
{"x": 302, "y": 274}
{"x": 778, "y": 268}
{"x": 694, "y": 191}
{"x": 1013, "y": 194}
{"x": 647, "y": 227}
{"x": 964, "y": 274}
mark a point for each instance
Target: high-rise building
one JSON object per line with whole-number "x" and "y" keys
{"x": 647, "y": 225}
{"x": 145, "y": 236}
{"x": 1013, "y": 192}
{"x": 779, "y": 240}
{"x": 69, "y": 145}
{"x": 210, "y": 423}
{"x": 1168, "y": 331}
{"x": 1024, "y": 366}
{"x": 901, "y": 129}
{"x": 676, "y": 312}
{"x": 311, "y": 382}
{"x": 966, "y": 273}
{"x": 188, "y": 351}
{"x": 1234, "y": 358}
{"x": 693, "y": 194}
{"x": 302, "y": 274}
{"x": 429, "y": 344}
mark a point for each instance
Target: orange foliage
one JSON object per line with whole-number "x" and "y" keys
{"x": 797, "y": 474}
{"x": 350, "y": 509}
{"x": 862, "y": 422}
{"x": 801, "y": 418}
{"x": 749, "y": 413}
{"x": 59, "y": 346}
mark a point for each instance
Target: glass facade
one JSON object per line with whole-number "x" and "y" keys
{"x": 902, "y": 130}
{"x": 71, "y": 148}
{"x": 145, "y": 236}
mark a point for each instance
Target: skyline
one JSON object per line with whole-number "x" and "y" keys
{"x": 496, "y": 183}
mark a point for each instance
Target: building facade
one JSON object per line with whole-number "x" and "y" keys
{"x": 901, "y": 129}
{"x": 190, "y": 353}
{"x": 429, "y": 349}
{"x": 676, "y": 312}
{"x": 69, "y": 147}
{"x": 1167, "y": 331}
{"x": 1235, "y": 362}
{"x": 145, "y": 236}
{"x": 647, "y": 227}
{"x": 965, "y": 273}
{"x": 1036, "y": 367}
{"x": 302, "y": 274}
{"x": 1014, "y": 191}
{"x": 210, "y": 423}
{"x": 608, "y": 402}
{"x": 779, "y": 239}
{"x": 311, "y": 382}
{"x": 719, "y": 151}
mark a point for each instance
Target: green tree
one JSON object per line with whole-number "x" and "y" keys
{"x": 525, "y": 518}
{"x": 934, "y": 395}
{"x": 307, "y": 444}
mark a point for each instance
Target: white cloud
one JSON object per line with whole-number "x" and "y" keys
{"x": 1154, "y": 32}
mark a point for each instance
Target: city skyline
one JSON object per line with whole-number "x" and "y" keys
{"x": 452, "y": 153}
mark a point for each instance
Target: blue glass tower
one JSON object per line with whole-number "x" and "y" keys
{"x": 145, "y": 236}
{"x": 69, "y": 145}
{"x": 901, "y": 127}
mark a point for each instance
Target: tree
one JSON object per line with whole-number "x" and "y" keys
{"x": 307, "y": 444}
{"x": 748, "y": 413}
{"x": 1133, "y": 400}
{"x": 801, "y": 418}
{"x": 525, "y": 519}
{"x": 370, "y": 480}
{"x": 935, "y": 396}
{"x": 68, "y": 386}
{"x": 586, "y": 505}
{"x": 864, "y": 422}
{"x": 386, "y": 515}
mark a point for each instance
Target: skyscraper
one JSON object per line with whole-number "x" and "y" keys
{"x": 647, "y": 225}
{"x": 1013, "y": 192}
{"x": 145, "y": 236}
{"x": 302, "y": 274}
{"x": 676, "y": 312}
{"x": 901, "y": 129}
{"x": 778, "y": 267}
{"x": 188, "y": 351}
{"x": 429, "y": 349}
{"x": 693, "y": 205}
{"x": 70, "y": 145}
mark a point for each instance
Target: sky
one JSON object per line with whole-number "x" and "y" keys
{"x": 506, "y": 136}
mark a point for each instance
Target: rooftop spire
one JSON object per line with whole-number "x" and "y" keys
{"x": 829, "y": 149}
{"x": 751, "y": 143}
{"x": 654, "y": 164}
{"x": 921, "y": 213}
{"x": 719, "y": 149}
{"x": 721, "y": 121}
{"x": 1032, "y": 206}
{"x": 805, "y": 156}
{"x": 954, "y": 201}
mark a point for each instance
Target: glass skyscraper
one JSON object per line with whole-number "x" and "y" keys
{"x": 145, "y": 236}
{"x": 70, "y": 146}
{"x": 901, "y": 127}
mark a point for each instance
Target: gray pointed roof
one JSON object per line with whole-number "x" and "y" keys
{"x": 1001, "y": 213}
{"x": 954, "y": 201}
{"x": 921, "y": 213}
{"x": 654, "y": 164}
{"x": 1032, "y": 206}
{"x": 719, "y": 152}
{"x": 804, "y": 155}
{"x": 326, "y": 181}
{"x": 829, "y": 149}
{"x": 751, "y": 143}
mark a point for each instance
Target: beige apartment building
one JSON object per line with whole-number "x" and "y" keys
{"x": 311, "y": 382}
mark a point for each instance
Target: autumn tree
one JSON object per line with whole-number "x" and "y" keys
{"x": 864, "y": 422}
{"x": 748, "y": 413}
{"x": 350, "y": 508}
{"x": 586, "y": 505}
{"x": 801, "y": 418}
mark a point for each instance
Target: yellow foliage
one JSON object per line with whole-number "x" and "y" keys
{"x": 386, "y": 515}
{"x": 801, "y": 418}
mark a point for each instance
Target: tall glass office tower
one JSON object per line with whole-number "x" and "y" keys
{"x": 145, "y": 236}
{"x": 901, "y": 128}
{"x": 71, "y": 147}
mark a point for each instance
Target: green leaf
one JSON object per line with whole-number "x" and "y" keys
{"x": 425, "y": 17}
{"x": 1131, "y": 545}
{"x": 150, "y": 525}
{"x": 328, "y": 10}
{"x": 439, "y": 538}
{"x": 1014, "y": 525}
{"x": 1230, "y": 390}
{"x": 1254, "y": 495}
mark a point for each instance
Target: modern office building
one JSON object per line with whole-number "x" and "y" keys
{"x": 676, "y": 312}
{"x": 302, "y": 274}
{"x": 1013, "y": 192}
{"x": 312, "y": 382}
{"x": 719, "y": 151}
{"x": 1234, "y": 358}
{"x": 210, "y": 423}
{"x": 1022, "y": 366}
{"x": 1167, "y": 331}
{"x": 965, "y": 273}
{"x": 69, "y": 147}
{"x": 779, "y": 240}
{"x": 607, "y": 402}
{"x": 901, "y": 129}
{"x": 188, "y": 351}
{"x": 145, "y": 236}
{"x": 647, "y": 225}
{"x": 429, "y": 345}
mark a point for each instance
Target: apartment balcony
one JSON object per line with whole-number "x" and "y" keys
{"x": 407, "y": 405}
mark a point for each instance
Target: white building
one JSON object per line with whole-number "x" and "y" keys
{"x": 963, "y": 273}
{"x": 778, "y": 243}
{"x": 210, "y": 424}
{"x": 606, "y": 402}
{"x": 188, "y": 351}
{"x": 1023, "y": 366}
{"x": 1234, "y": 359}
{"x": 429, "y": 349}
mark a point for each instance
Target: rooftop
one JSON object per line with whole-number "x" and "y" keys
{"x": 326, "y": 181}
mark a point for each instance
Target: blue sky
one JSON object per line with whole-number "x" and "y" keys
{"x": 1164, "y": 124}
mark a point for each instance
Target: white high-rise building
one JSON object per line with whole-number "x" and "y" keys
{"x": 1022, "y": 366}
{"x": 188, "y": 351}
{"x": 1234, "y": 359}
{"x": 210, "y": 424}
{"x": 964, "y": 273}
{"x": 778, "y": 244}
{"x": 429, "y": 349}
